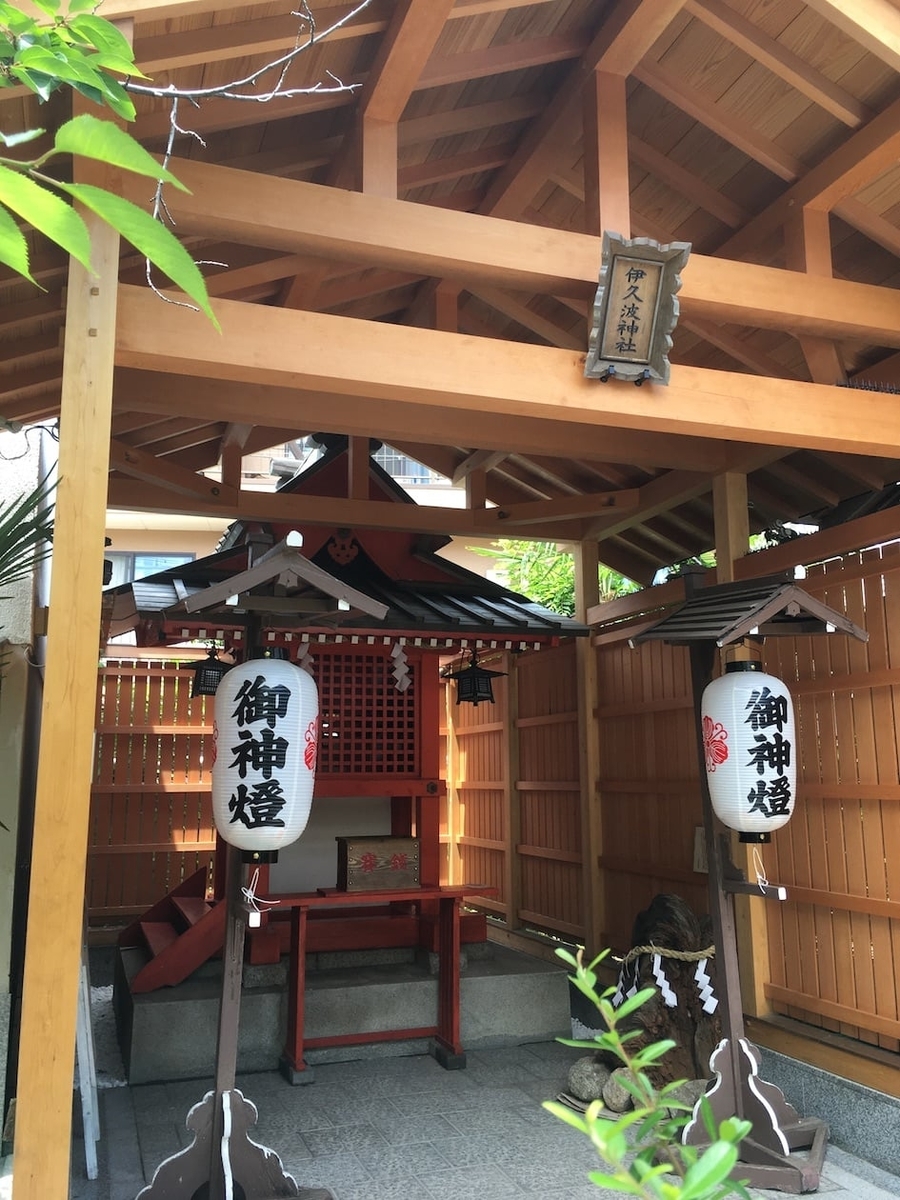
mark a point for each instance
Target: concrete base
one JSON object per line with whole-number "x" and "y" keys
{"x": 506, "y": 999}
{"x": 861, "y": 1120}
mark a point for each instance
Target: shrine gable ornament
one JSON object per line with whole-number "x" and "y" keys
{"x": 635, "y": 309}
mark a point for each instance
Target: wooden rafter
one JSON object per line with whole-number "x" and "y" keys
{"x": 630, "y": 29}
{"x": 780, "y": 60}
{"x": 875, "y": 24}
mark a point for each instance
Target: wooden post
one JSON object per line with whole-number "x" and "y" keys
{"x": 62, "y": 802}
{"x": 512, "y": 800}
{"x": 587, "y": 594}
{"x": 607, "y": 202}
{"x": 732, "y": 534}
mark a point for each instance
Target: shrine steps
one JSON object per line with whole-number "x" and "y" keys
{"x": 176, "y": 935}
{"x": 506, "y": 999}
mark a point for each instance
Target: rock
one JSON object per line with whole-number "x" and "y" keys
{"x": 587, "y": 1078}
{"x": 689, "y": 1093}
{"x": 616, "y": 1096}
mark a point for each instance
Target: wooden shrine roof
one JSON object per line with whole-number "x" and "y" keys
{"x": 437, "y": 230}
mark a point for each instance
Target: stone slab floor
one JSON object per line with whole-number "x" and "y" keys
{"x": 401, "y": 1129}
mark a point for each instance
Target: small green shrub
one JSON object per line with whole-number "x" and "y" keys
{"x": 642, "y": 1149}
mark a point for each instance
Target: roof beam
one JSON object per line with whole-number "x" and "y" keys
{"x": 536, "y": 512}
{"x": 268, "y": 36}
{"x": 220, "y": 401}
{"x": 730, "y": 128}
{"x": 318, "y": 510}
{"x": 302, "y": 217}
{"x": 402, "y": 55}
{"x": 655, "y": 497}
{"x": 139, "y": 465}
{"x": 483, "y": 460}
{"x": 392, "y": 362}
{"x": 875, "y": 24}
{"x": 629, "y": 30}
{"x": 862, "y": 157}
{"x": 781, "y": 61}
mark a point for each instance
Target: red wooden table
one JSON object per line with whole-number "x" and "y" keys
{"x": 447, "y": 1046}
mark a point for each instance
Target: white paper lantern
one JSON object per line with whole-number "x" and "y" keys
{"x": 266, "y": 737}
{"x": 750, "y": 750}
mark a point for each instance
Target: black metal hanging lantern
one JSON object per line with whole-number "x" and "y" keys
{"x": 208, "y": 673}
{"x": 473, "y": 683}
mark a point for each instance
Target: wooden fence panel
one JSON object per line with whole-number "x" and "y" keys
{"x": 649, "y": 783}
{"x": 151, "y": 805}
{"x": 549, "y": 793}
{"x": 835, "y": 945}
{"x": 478, "y": 810}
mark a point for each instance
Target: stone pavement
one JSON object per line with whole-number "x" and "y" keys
{"x": 392, "y": 1128}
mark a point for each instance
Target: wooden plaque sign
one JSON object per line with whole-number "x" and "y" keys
{"x": 635, "y": 309}
{"x": 367, "y": 864}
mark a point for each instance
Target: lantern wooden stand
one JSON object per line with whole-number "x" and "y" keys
{"x": 222, "y": 1160}
{"x": 714, "y": 617}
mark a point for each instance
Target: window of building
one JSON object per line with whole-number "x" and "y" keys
{"x": 130, "y": 565}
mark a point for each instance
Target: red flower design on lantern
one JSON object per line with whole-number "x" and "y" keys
{"x": 714, "y": 737}
{"x": 215, "y": 745}
{"x": 309, "y": 750}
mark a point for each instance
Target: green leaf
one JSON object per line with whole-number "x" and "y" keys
{"x": 26, "y": 525}
{"x": 104, "y": 36}
{"x": 94, "y": 94}
{"x": 565, "y": 1114}
{"x": 46, "y": 212}
{"x": 708, "y": 1171}
{"x": 19, "y": 139}
{"x": 654, "y": 1051}
{"x": 50, "y": 7}
{"x": 42, "y": 85}
{"x": 634, "y": 1002}
{"x": 15, "y": 20}
{"x": 70, "y": 68}
{"x": 13, "y": 247}
{"x": 80, "y": 6}
{"x": 151, "y": 237}
{"x": 92, "y": 137}
{"x": 115, "y": 62}
{"x": 616, "y": 1183}
{"x": 115, "y": 96}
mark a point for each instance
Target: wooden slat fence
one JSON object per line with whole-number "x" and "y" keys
{"x": 835, "y": 946}
{"x": 151, "y": 807}
{"x": 515, "y": 804}
{"x": 649, "y": 785}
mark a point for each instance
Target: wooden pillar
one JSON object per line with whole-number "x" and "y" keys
{"x": 731, "y": 519}
{"x": 62, "y": 802}
{"x": 512, "y": 800}
{"x": 378, "y": 158}
{"x": 587, "y": 594}
{"x": 732, "y": 531}
{"x": 476, "y": 489}
{"x": 232, "y": 454}
{"x": 607, "y": 203}
{"x": 358, "y": 468}
{"x": 807, "y": 243}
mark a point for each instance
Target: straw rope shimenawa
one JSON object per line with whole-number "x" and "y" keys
{"x": 680, "y": 955}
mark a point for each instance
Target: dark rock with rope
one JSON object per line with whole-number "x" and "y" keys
{"x": 672, "y": 951}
